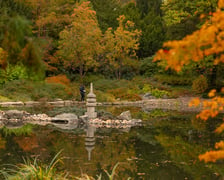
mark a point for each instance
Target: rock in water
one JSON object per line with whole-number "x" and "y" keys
{"x": 65, "y": 117}
{"x": 125, "y": 116}
{"x": 15, "y": 114}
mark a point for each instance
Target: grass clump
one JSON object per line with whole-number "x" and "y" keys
{"x": 35, "y": 171}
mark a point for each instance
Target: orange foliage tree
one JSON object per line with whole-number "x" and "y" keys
{"x": 80, "y": 42}
{"x": 207, "y": 41}
{"x": 50, "y": 16}
{"x": 49, "y": 19}
{"x": 121, "y": 45}
{"x": 3, "y": 58}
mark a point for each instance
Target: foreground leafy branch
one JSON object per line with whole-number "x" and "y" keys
{"x": 207, "y": 41}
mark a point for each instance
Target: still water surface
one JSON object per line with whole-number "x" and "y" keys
{"x": 164, "y": 147}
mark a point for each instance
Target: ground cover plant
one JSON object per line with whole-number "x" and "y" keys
{"x": 35, "y": 170}
{"x": 106, "y": 90}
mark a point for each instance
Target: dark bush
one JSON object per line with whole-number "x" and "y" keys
{"x": 200, "y": 84}
{"x": 148, "y": 67}
{"x": 173, "y": 80}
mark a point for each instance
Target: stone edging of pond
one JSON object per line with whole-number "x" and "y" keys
{"x": 180, "y": 104}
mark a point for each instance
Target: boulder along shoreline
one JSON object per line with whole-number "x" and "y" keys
{"x": 16, "y": 118}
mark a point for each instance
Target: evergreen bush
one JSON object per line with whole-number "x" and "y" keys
{"x": 200, "y": 84}
{"x": 173, "y": 79}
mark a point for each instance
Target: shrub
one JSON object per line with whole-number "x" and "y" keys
{"x": 13, "y": 73}
{"x": 70, "y": 89}
{"x": 107, "y": 84}
{"x": 131, "y": 97}
{"x": 17, "y": 90}
{"x": 159, "y": 93}
{"x": 146, "y": 88}
{"x": 104, "y": 84}
{"x": 122, "y": 93}
{"x": 24, "y": 90}
{"x": 45, "y": 90}
{"x": 92, "y": 78}
{"x": 3, "y": 98}
{"x": 118, "y": 93}
{"x": 104, "y": 97}
{"x": 148, "y": 67}
{"x": 173, "y": 79}
{"x": 200, "y": 84}
{"x": 60, "y": 79}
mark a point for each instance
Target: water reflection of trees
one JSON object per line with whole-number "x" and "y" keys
{"x": 46, "y": 141}
{"x": 17, "y": 130}
{"x": 167, "y": 148}
{"x": 183, "y": 142}
{"x": 2, "y": 142}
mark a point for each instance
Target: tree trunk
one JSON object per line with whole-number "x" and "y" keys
{"x": 213, "y": 77}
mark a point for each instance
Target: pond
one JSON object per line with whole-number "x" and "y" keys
{"x": 166, "y": 147}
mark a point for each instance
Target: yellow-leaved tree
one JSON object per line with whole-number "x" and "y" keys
{"x": 80, "y": 42}
{"x": 207, "y": 41}
{"x": 120, "y": 46}
{"x": 3, "y": 58}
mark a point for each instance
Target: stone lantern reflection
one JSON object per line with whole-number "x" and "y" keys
{"x": 90, "y": 140}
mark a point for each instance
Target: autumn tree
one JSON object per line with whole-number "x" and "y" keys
{"x": 50, "y": 17}
{"x": 16, "y": 36}
{"x": 120, "y": 46}
{"x": 207, "y": 41}
{"x": 17, "y": 29}
{"x": 3, "y": 58}
{"x": 14, "y": 28}
{"x": 80, "y": 42}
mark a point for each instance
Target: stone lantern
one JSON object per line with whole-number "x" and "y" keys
{"x": 91, "y": 104}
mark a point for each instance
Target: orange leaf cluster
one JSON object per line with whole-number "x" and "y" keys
{"x": 27, "y": 143}
{"x": 209, "y": 40}
{"x": 194, "y": 102}
{"x": 2, "y": 143}
{"x": 3, "y": 58}
{"x": 213, "y": 156}
{"x": 221, "y": 4}
{"x": 211, "y": 108}
{"x": 212, "y": 93}
{"x": 220, "y": 128}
